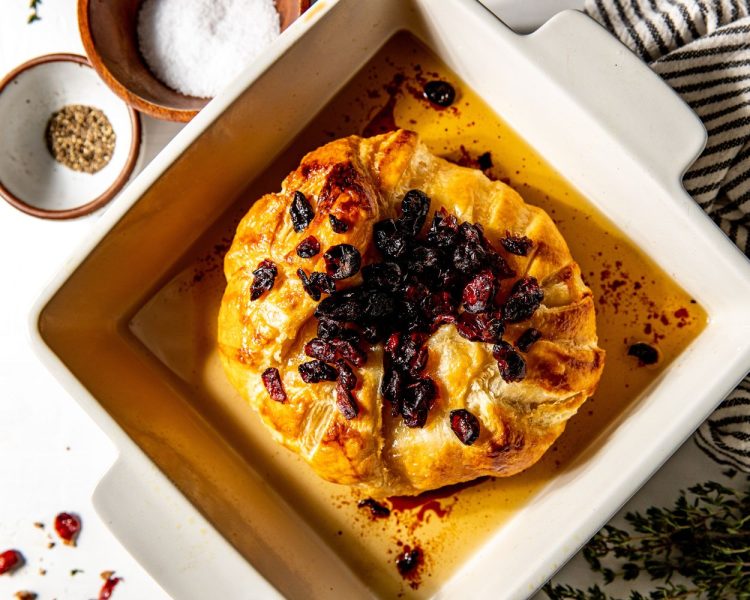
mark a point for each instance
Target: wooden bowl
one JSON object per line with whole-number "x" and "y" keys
{"x": 108, "y": 31}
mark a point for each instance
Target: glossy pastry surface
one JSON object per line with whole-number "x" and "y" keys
{"x": 362, "y": 181}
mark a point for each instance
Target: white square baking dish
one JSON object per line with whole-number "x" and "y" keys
{"x": 237, "y": 527}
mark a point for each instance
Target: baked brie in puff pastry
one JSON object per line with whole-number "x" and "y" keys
{"x": 404, "y": 323}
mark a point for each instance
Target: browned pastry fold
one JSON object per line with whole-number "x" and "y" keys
{"x": 362, "y": 181}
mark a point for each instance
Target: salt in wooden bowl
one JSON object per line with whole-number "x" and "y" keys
{"x": 109, "y": 34}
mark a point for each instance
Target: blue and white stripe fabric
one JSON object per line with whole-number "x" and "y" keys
{"x": 701, "y": 48}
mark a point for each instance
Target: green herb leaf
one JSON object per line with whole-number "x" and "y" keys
{"x": 703, "y": 539}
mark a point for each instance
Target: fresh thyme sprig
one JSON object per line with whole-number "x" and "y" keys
{"x": 704, "y": 540}
{"x": 34, "y": 6}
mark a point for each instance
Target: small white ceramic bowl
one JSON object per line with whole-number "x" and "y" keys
{"x": 30, "y": 179}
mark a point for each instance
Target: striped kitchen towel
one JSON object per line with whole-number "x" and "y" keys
{"x": 701, "y": 48}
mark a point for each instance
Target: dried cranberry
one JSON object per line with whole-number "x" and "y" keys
{"x": 391, "y": 388}
{"x": 485, "y": 161}
{"x": 373, "y": 333}
{"x": 417, "y": 402}
{"x": 346, "y": 350}
{"x": 471, "y": 232}
{"x": 525, "y": 297}
{"x": 443, "y": 230}
{"x": 389, "y": 239}
{"x": 469, "y": 257}
{"x": 346, "y": 376}
{"x": 409, "y": 561}
{"x": 483, "y": 327}
{"x": 274, "y": 386}
{"x": 377, "y": 305}
{"x": 328, "y": 329}
{"x": 346, "y": 403}
{"x": 414, "y": 209}
{"x": 342, "y": 261}
{"x": 646, "y": 354}
{"x": 465, "y": 425}
{"x": 323, "y": 282}
{"x": 517, "y": 244}
{"x": 301, "y": 212}
{"x": 442, "y": 306}
{"x": 109, "y": 587}
{"x": 10, "y": 560}
{"x": 424, "y": 260}
{"x": 316, "y": 371}
{"x": 263, "y": 279}
{"x": 409, "y": 353}
{"x": 439, "y": 92}
{"x": 320, "y": 349}
{"x": 337, "y": 224}
{"x": 511, "y": 364}
{"x": 385, "y": 275}
{"x": 344, "y": 305}
{"x": 308, "y": 247}
{"x": 527, "y": 339}
{"x": 479, "y": 292}
{"x": 312, "y": 290}
{"x": 376, "y": 509}
{"x": 498, "y": 264}
{"x": 68, "y": 527}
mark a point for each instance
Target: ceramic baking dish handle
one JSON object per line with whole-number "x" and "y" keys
{"x": 169, "y": 537}
{"x": 617, "y": 89}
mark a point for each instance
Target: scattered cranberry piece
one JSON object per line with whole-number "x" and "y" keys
{"x": 483, "y": 327}
{"x": 391, "y": 388}
{"x": 274, "y": 386}
{"x": 645, "y": 353}
{"x": 308, "y": 247}
{"x": 348, "y": 351}
{"x": 511, "y": 364}
{"x": 342, "y": 261}
{"x": 376, "y": 509}
{"x": 485, "y": 161}
{"x": 414, "y": 209}
{"x": 110, "y": 582}
{"x": 528, "y": 338}
{"x": 346, "y": 376}
{"x": 346, "y": 402}
{"x": 320, "y": 349}
{"x": 409, "y": 561}
{"x": 316, "y": 283}
{"x": 465, "y": 425}
{"x": 337, "y": 224}
{"x": 323, "y": 282}
{"x": 417, "y": 402}
{"x": 312, "y": 290}
{"x": 316, "y": 371}
{"x": 479, "y": 292}
{"x": 517, "y": 244}
{"x": 389, "y": 239}
{"x": 10, "y": 560}
{"x": 525, "y": 297}
{"x": 263, "y": 279}
{"x": 440, "y": 93}
{"x": 68, "y": 527}
{"x": 301, "y": 212}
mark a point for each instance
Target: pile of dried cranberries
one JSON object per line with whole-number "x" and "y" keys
{"x": 451, "y": 275}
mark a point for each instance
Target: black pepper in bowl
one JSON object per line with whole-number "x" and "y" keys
{"x": 81, "y": 138}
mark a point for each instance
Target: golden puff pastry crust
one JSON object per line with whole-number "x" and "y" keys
{"x": 363, "y": 181}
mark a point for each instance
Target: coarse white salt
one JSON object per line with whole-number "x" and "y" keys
{"x": 197, "y": 47}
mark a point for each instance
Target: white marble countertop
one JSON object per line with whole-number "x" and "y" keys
{"x": 51, "y": 454}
